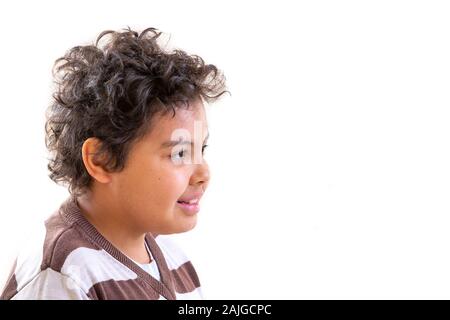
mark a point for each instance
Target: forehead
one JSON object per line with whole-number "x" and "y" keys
{"x": 185, "y": 118}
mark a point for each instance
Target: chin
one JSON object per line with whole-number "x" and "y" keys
{"x": 185, "y": 224}
{"x": 185, "y": 227}
{"x": 180, "y": 225}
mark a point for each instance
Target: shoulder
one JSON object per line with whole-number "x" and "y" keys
{"x": 63, "y": 242}
{"x": 58, "y": 255}
{"x": 71, "y": 252}
{"x": 42, "y": 257}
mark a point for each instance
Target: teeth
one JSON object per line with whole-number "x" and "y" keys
{"x": 194, "y": 201}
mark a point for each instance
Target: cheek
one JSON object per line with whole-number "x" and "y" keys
{"x": 138, "y": 182}
{"x": 172, "y": 183}
{"x": 154, "y": 184}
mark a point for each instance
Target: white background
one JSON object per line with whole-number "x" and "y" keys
{"x": 330, "y": 161}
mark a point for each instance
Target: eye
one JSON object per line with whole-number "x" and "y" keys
{"x": 204, "y": 147}
{"x": 180, "y": 154}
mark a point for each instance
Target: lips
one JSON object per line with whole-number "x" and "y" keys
{"x": 190, "y": 204}
{"x": 191, "y": 199}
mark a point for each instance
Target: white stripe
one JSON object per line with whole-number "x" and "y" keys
{"x": 175, "y": 257}
{"x": 89, "y": 266}
{"x": 51, "y": 285}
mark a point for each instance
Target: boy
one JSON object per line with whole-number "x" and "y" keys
{"x": 127, "y": 131}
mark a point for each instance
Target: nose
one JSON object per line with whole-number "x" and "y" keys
{"x": 201, "y": 174}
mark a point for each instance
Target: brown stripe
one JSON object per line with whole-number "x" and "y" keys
{"x": 185, "y": 278}
{"x": 60, "y": 240}
{"x": 133, "y": 289}
{"x": 10, "y": 289}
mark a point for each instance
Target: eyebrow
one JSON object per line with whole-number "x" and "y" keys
{"x": 173, "y": 143}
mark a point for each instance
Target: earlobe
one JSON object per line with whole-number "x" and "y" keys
{"x": 92, "y": 163}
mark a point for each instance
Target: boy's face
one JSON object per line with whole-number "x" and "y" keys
{"x": 161, "y": 176}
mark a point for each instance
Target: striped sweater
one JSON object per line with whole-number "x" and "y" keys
{"x": 70, "y": 259}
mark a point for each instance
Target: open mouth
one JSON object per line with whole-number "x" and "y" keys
{"x": 190, "y": 207}
{"x": 193, "y": 201}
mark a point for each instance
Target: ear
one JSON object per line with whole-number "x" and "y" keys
{"x": 91, "y": 161}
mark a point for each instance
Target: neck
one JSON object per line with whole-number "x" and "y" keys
{"x": 112, "y": 225}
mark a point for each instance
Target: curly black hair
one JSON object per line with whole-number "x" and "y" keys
{"x": 112, "y": 92}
